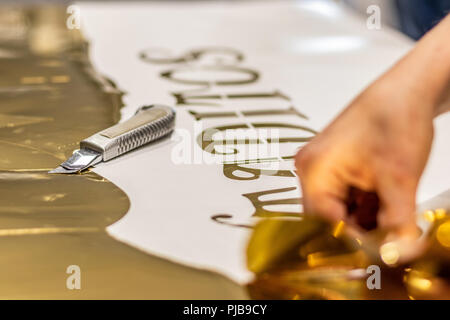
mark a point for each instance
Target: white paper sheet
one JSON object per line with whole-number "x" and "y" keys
{"x": 315, "y": 52}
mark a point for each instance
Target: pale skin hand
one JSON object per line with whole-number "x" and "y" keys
{"x": 382, "y": 140}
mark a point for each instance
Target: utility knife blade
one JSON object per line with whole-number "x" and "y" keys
{"x": 148, "y": 124}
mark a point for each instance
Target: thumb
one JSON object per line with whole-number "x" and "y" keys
{"x": 397, "y": 217}
{"x": 323, "y": 203}
{"x": 398, "y": 206}
{"x": 323, "y": 195}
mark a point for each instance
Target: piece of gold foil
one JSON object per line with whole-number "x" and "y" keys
{"x": 51, "y": 98}
{"x": 311, "y": 259}
{"x": 304, "y": 259}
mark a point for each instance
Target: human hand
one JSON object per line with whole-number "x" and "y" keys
{"x": 380, "y": 143}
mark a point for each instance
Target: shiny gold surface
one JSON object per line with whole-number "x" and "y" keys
{"x": 314, "y": 260}
{"x": 428, "y": 276}
{"x": 309, "y": 259}
{"x": 51, "y": 98}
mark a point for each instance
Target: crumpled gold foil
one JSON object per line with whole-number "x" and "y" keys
{"x": 312, "y": 259}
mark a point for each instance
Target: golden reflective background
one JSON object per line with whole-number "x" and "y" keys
{"x": 317, "y": 260}
{"x": 51, "y": 98}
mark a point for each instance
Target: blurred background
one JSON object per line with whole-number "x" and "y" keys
{"x": 412, "y": 17}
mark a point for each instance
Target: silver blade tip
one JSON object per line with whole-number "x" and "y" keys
{"x": 62, "y": 170}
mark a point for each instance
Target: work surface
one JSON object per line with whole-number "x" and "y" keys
{"x": 231, "y": 66}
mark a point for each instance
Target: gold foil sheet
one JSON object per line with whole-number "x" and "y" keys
{"x": 51, "y": 98}
{"x": 312, "y": 259}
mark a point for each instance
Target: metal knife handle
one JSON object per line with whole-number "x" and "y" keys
{"x": 148, "y": 124}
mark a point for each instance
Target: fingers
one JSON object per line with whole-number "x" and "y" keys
{"x": 325, "y": 205}
{"x": 402, "y": 245}
{"x": 323, "y": 193}
{"x": 398, "y": 217}
{"x": 397, "y": 194}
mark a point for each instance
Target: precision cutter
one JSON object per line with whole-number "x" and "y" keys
{"x": 148, "y": 124}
